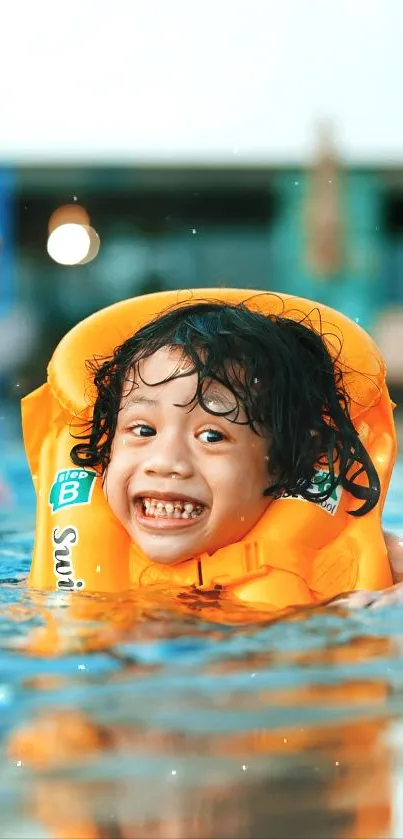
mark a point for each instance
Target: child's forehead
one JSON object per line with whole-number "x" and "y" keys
{"x": 166, "y": 375}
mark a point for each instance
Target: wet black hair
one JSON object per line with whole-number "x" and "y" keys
{"x": 286, "y": 384}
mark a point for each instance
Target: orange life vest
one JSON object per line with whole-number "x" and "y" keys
{"x": 298, "y": 553}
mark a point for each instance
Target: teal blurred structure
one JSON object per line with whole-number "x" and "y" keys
{"x": 356, "y": 287}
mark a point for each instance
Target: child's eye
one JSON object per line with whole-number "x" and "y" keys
{"x": 143, "y": 430}
{"x": 210, "y": 435}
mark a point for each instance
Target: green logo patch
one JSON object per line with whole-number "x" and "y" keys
{"x": 321, "y": 483}
{"x": 71, "y": 487}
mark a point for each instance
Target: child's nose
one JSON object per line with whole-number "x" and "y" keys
{"x": 169, "y": 458}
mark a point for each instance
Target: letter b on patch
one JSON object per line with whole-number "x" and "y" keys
{"x": 71, "y": 487}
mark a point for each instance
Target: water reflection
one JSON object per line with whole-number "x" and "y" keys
{"x": 325, "y": 786}
{"x": 145, "y": 721}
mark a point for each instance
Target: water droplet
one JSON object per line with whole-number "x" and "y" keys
{"x": 329, "y": 182}
{"x": 285, "y": 740}
{"x": 81, "y": 667}
{"x": 244, "y": 767}
{"x": 242, "y": 518}
{"x": 75, "y": 198}
{"x": 296, "y": 183}
{"x": 194, "y": 231}
{"x": 173, "y": 771}
{"x": 337, "y": 763}
{"x": 357, "y": 320}
{"x": 19, "y": 763}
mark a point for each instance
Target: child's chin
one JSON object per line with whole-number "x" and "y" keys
{"x": 167, "y": 559}
{"x": 165, "y": 555}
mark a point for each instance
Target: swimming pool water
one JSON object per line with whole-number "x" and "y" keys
{"x": 176, "y": 728}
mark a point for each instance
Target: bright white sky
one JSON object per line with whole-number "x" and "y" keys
{"x": 214, "y": 81}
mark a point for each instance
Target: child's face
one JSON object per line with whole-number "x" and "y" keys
{"x": 183, "y": 482}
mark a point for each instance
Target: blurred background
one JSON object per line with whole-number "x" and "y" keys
{"x": 157, "y": 145}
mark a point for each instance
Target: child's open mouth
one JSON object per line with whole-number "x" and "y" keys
{"x": 170, "y": 509}
{"x": 168, "y": 513}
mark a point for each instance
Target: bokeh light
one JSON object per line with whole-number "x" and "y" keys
{"x": 68, "y": 214}
{"x": 71, "y": 240}
{"x": 69, "y": 244}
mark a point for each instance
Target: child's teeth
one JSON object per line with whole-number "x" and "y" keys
{"x": 173, "y": 509}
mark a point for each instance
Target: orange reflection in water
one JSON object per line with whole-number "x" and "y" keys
{"x": 314, "y": 781}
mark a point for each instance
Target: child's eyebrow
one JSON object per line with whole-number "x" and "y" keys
{"x": 213, "y": 400}
{"x": 142, "y": 400}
